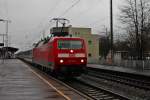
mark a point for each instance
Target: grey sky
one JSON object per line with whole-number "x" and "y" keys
{"x": 30, "y": 17}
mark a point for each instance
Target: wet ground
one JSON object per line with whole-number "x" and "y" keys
{"x": 18, "y": 82}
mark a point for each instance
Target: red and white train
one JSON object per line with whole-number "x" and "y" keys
{"x": 61, "y": 55}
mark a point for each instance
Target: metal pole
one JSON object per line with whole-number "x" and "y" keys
{"x": 57, "y": 23}
{"x": 111, "y": 28}
{"x": 6, "y": 33}
{"x": 2, "y": 55}
{"x": 7, "y": 38}
{"x": 3, "y": 51}
{"x": 137, "y": 32}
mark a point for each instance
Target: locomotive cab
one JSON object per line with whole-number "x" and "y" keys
{"x": 70, "y": 55}
{"x": 62, "y": 55}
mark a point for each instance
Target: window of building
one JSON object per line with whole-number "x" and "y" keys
{"x": 89, "y": 42}
{"x": 89, "y": 55}
{"x": 75, "y": 33}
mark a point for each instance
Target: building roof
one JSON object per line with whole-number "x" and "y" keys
{"x": 10, "y": 49}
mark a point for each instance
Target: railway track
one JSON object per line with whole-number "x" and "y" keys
{"x": 94, "y": 92}
{"x": 141, "y": 84}
{"x": 88, "y": 91}
{"x": 131, "y": 87}
{"x": 97, "y": 85}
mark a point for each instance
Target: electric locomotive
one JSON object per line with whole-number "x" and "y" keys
{"x": 63, "y": 55}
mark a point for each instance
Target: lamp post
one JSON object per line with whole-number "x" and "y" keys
{"x": 111, "y": 30}
{"x": 3, "y": 45}
{"x": 7, "y": 21}
{"x": 6, "y": 43}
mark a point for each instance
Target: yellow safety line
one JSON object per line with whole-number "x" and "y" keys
{"x": 61, "y": 93}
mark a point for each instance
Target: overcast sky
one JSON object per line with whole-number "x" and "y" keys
{"x": 30, "y": 17}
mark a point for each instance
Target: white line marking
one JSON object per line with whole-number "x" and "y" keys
{"x": 61, "y": 93}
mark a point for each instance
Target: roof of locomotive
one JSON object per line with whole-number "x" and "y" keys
{"x": 67, "y": 38}
{"x": 46, "y": 40}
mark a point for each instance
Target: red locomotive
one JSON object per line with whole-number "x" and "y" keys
{"x": 63, "y": 55}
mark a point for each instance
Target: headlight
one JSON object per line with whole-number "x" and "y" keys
{"x": 82, "y": 60}
{"x": 61, "y": 61}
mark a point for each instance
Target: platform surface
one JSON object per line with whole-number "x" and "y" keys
{"x": 17, "y": 82}
{"x": 121, "y": 69}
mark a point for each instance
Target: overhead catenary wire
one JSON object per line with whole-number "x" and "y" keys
{"x": 46, "y": 25}
{"x": 81, "y": 13}
{"x": 43, "y": 26}
{"x": 92, "y": 7}
{"x": 67, "y": 10}
{"x": 52, "y": 10}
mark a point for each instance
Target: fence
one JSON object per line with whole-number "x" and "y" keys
{"x": 134, "y": 64}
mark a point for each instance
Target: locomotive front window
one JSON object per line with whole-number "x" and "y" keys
{"x": 69, "y": 44}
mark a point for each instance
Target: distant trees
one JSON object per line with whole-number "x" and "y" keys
{"x": 135, "y": 16}
{"x": 104, "y": 46}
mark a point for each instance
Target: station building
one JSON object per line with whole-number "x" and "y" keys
{"x": 92, "y": 41}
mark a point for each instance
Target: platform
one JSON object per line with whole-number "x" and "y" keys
{"x": 120, "y": 69}
{"x": 20, "y": 82}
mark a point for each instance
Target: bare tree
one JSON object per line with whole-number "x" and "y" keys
{"x": 135, "y": 15}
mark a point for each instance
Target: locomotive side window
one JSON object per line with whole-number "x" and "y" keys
{"x": 70, "y": 44}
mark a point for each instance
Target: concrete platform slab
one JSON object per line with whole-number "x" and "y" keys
{"x": 17, "y": 82}
{"x": 120, "y": 69}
